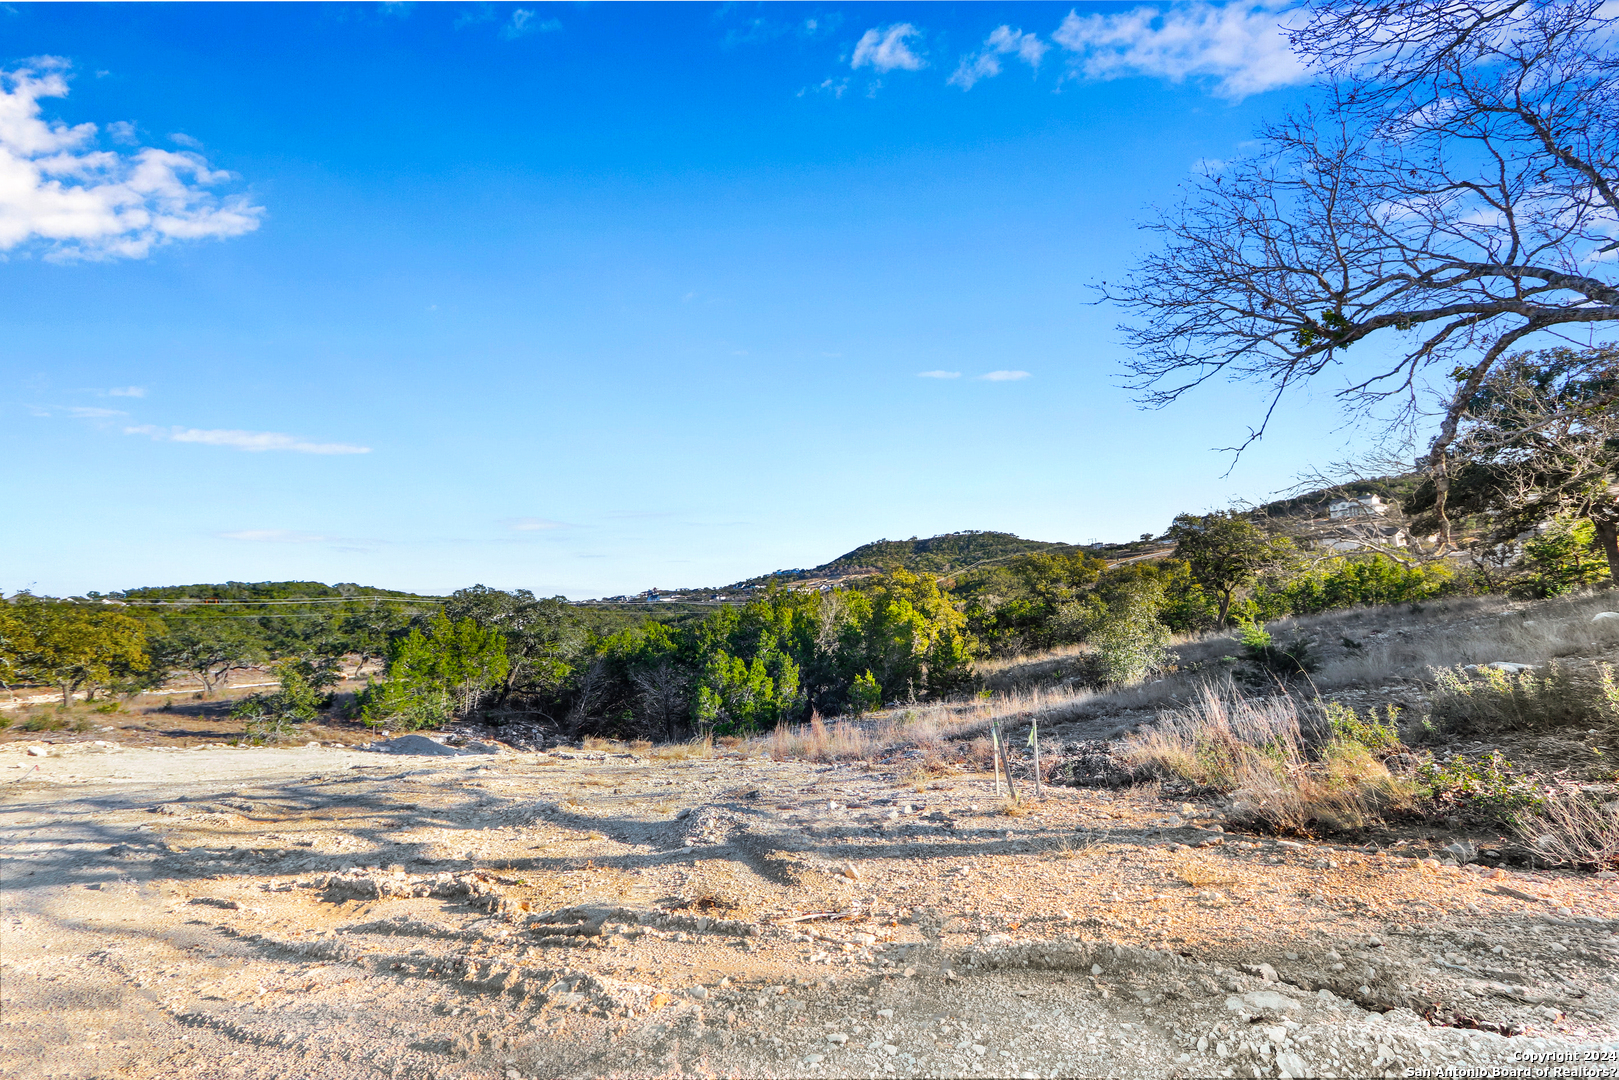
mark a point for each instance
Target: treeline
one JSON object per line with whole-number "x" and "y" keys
{"x": 783, "y": 657}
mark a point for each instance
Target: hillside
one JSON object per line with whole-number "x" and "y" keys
{"x": 240, "y": 591}
{"x": 1392, "y": 489}
{"x": 944, "y": 554}
{"x": 938, "y": 554}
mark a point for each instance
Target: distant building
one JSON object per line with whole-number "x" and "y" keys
{"x": 1368, "y": 506}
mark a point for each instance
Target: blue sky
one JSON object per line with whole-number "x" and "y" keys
{"x": 591, "y": 298}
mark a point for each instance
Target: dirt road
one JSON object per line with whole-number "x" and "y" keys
{"x": 222, "y": 912}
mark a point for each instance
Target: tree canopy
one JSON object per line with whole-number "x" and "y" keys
{"x": 1453, "y": 191}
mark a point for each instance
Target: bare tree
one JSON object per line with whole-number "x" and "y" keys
{"x": 662, "y": 694}
{"x": 1540, "y": 440}
{"x": 1455, "y": 192}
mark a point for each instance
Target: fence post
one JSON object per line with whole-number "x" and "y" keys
{"x": 1006, "y": 763}
{"x": 995, "y": 753}
{"x": 1034, "y": 741}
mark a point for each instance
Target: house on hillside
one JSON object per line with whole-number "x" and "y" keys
{"x": 1366, "y": 506}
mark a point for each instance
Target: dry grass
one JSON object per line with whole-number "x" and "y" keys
{"x": 1396, "y": 642}
{"x": 1284, "y": 770}
{"x": 1199, "y": 872}
{"x": 697, "y": 748}
{"x": 1525, "y": 701}
{"x": 1081, "y": 848}
{"x": 1568, "y": 827}
{"x": 1480, "y": 630}
{"x": 843, "y": 741}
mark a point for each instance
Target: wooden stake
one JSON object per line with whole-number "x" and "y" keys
{"x": 995, "y": 755}
{"x": 1006, "y": 763}
{"x": 1034, "y": 741}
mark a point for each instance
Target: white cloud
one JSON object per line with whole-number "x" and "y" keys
{"x": 986, "y": 62}
{"x": 81, "y": 202}
{"x": 122, "y": 131}
{"x": 938, "y": 374}
{"x": 883, "y": 49}
{"x": 252, "y": 441}
{"x": 524, "y": 21}
{"x": 127, "y": 391}
{"x": 533, "y": 524}
{"x": 1242, "y": 46}
{"x": 180, "y": 138}
{"x": 1003, "y": 376}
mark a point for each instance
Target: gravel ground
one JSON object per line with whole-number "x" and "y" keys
{"x": 320, "y": 912}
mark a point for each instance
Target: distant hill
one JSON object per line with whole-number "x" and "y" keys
{"x": 939, "y": 554}
{"x": 263, "y": 590}
{"x": 950, "y": 553}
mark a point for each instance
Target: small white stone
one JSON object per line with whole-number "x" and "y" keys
{"x": 700, "y": 993}
{"x": 837, "y": 1038}
{"x": 886, "y": 1014}
{"x": 1096, "y": 969}
{"x": 980, "y": 1049}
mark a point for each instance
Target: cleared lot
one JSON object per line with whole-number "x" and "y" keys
{"x": 324, "y": 912}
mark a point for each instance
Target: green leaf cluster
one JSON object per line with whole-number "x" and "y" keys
{"x": 438, "y": 670}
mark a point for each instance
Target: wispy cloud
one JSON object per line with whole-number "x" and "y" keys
{"x": 884, "y": 49}
{"x": 78, "y": 412}
{"x": 524, "y": 22}
{"x": 1241, "y": 46}
{"x": 275, "y": 536}
{"x": 1003, "y": 376}
{"x": 534, "y": 524}
{"x": 127, "y": 391}
{"x": 252, "y": 441}
{"x": 180, "y": 138}
{"x": 986, "y": 62}
{"x": 938, "y": 374}
{"x": 81, "y": 202}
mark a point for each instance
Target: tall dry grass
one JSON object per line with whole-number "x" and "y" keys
{"x": 1553, "y": 696}
{"x": 1477, "y": 630}
{"x": 1282, "y": 763}
{"x": 1569, "y": 827}
{"x": 814, "y": 741}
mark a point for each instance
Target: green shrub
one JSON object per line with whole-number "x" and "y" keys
{"x": 1489, "y": 698}
{"x": 1130, "y": 640}
{"x": 1562, "y": 559}
{"x": 1357, "y": 580}
{"x": 1271, "y": 662}
{"x": 43, "y": 722}
{"x": 1490, "y": 786}
{"x": 437, "y": 671}
{"x": 273, "y": 717}
{"x": 1378, "y": 736}
{"x": 864, "y": 694}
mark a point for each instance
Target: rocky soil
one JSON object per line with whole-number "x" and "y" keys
{"x": 326, "y": 912}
